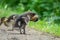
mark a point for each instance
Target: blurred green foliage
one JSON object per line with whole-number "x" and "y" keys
{"x": 48, "y": 11}
{"x": 45, "y": 8}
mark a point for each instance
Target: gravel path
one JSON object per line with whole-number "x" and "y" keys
{"x": 31, "y": 34}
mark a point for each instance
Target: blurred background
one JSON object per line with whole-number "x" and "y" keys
{"x": 48, "y": 11}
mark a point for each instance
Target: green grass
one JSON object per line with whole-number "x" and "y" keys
{"x": 4, "y": 12}
{"x": 44, "y": 26}
{"x": 8, "y": 12}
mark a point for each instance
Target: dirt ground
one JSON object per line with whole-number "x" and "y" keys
{"x": 31, "y": 34}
